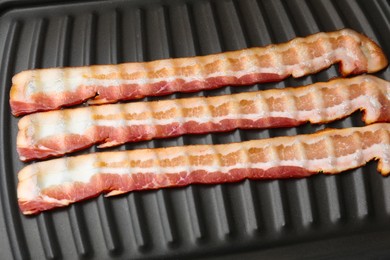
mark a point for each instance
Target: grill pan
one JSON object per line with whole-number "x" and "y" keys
{"x": 342, "y": 216}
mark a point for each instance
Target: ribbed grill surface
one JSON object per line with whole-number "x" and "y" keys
{"x": 197, "y": 220}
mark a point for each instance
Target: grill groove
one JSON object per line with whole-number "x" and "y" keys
{"x": 48, "y": 236}
{"x": 105, "y": 209}
{"x": 194, "y": 210}
{"x": 64, "y": 34}
{"x": 14, "y": 230}
{"x": 89, "y": 43}
{"x": 45, "y": 224}
{"x": 252, "y": 218}
{"x": 81, "y": 239}
{"x": 333, "y": 199}
{"x": 116, "y": 37}
{"x": 137, "y": 222}
{"x": 108, "y": 226}
{"x": 280, "y": 213}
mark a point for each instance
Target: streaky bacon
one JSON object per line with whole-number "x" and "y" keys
{"x": 49, "y": 89}
{"x": 60, "y": 182}
{"x": 55, "y": 133}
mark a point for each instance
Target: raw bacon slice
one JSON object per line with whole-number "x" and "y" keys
{"x": 55, "y": 133}
{"x": 48, "y": 89}
{"x": 59, "y": 182}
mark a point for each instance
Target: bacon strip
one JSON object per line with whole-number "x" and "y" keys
{"x": 59, "y": 182}
{"x": 48, "y": 89}
{"x": 55, "y": 133}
